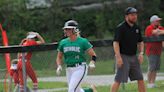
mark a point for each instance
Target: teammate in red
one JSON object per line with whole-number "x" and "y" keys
{"x": 14, "y": 71}
{"x": 153, "y": 49}
{"x": 29, "y": 41}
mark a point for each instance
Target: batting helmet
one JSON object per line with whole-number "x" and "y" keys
{"x": 71, "y": 24}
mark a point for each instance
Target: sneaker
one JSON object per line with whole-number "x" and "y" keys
{"x": 93, "y": 87}
{"x": 154, "y": 86}
{"x": 151, "y": 86}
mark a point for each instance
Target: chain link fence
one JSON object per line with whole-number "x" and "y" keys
{"x": 44, "y": 65}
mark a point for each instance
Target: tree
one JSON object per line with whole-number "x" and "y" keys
{"x": 161, "y": 6}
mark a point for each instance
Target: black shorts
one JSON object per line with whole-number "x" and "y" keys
{"x": 130, "y": 68}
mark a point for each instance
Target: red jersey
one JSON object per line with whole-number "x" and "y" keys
{"x": 153, "y": 48}
{"x": 28, "y": 54}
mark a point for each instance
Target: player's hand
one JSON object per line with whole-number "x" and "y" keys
{"x": 92, "y": 65}
{"x": 119, "y": 61}
{"x": 58, "y": 70}
{"x": 140, "y": 58}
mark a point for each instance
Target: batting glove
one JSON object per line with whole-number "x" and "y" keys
{"x": 58, "y": 70}
{"x": 92, "y": 65}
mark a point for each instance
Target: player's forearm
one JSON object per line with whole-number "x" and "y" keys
{"x": 158, "y": 32}
{"x": 41, "y": 39}
{"x": 59, "y": 58}
{"x": 155, "y": 32}
{"x": 116, "y": 48}
{"x": 58, "y": 61}
{"x": 92, "y": 53}
{"x": 141, "y": 47}
{"x": 161, "y": 32}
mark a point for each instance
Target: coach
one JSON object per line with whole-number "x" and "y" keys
{"x": 126, "y": 40}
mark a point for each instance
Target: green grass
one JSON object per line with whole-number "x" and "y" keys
{"x": 130, "y": 87}
{"x": 50, "y": 85}
{"x": 107, "y": 69}
{"x": 45, "y": 67}
{"x": 102, "y": 68}
{"x": 42, "y": 85}
{"x": 44, "y": 63}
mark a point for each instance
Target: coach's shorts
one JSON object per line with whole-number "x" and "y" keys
{"x": 130, "y": 68}
{"x": 154, "y": 63}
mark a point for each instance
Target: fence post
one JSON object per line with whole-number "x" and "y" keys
{"x": 24, "y": 71}
{"x": 10, "y": 84}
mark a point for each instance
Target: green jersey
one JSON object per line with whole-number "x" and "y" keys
{"x": 74, "y": 51}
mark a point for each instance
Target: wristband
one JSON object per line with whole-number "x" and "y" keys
{"x": 94, "y": 58}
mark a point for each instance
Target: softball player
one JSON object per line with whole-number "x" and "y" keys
{"x": 29, "y": 41}
{"x": 14, "y": 71}
{"x": 73, "y": 49}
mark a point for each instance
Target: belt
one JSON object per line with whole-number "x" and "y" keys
{"x": 76, "y": 65}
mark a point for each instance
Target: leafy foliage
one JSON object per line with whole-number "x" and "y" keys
{"x": 96, "y": 23}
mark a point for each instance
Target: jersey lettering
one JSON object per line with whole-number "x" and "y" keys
{"x": 72, "y": 48}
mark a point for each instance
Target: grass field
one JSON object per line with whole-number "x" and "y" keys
{"x": 130, "y": 87}
{"x": 44, "y": 64}
{"x": 102, "y": 68}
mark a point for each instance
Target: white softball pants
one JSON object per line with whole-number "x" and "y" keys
{"x": 75, "y": 76}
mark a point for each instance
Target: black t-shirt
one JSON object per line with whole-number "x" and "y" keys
{"x": 128, "y": 37}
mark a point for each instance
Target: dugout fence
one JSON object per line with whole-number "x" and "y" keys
{"x": 43, "y": 62}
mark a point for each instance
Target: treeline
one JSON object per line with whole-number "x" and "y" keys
{"x": 94, "y": 23}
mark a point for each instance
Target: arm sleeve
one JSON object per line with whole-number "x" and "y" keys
{"x": 30, "y": 43}
{"x": 34, "y": 43}
{"x": 148, "y": 31}
{"x": 118, "y": 34}
{"x": 60, "y": 47}
{"x": 87, "y": 45}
